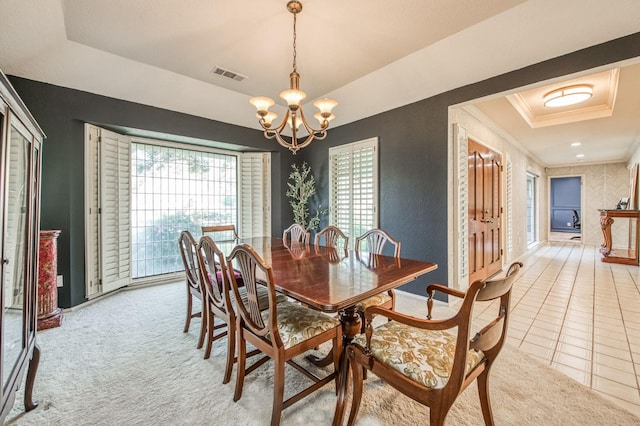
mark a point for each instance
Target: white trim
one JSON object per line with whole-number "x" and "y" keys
{"x": 508, "y": 213}
{"x": 92, "y": 263}
{"x": 461, "y": 152}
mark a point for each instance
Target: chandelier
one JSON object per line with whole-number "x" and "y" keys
{"x": 295, "y": 116}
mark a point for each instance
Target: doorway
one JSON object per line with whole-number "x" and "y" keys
{"x": 565, "y": 202}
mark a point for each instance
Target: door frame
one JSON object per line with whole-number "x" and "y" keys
{"x": 582, "y": 216}
{"x": 458, "y": 238}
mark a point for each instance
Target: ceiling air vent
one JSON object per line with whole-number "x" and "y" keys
{"x": 228, "y": 74}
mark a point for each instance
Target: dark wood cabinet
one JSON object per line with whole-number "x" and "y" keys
{"x": 20, "y": 143}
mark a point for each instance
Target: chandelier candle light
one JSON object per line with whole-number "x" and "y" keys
{"x": 294, "y": 116}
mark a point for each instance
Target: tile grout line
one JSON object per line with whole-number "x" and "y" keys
{"x": 564, "y": 316}
{"x": 561, "y": 250}
{"x": 626, "y": 334}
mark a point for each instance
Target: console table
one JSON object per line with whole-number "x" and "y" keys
{"x": 628, "y": 256}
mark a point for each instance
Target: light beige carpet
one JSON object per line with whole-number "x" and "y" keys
{"x": 125, "y": 361}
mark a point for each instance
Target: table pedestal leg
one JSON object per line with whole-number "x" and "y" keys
{"x": 350, "y": 328}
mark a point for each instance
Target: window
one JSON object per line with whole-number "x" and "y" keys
{"x": 353, "y": 197}
{"x": 532, "y": 201}
{"x": 140, "y": 194}
{"x": 175, "y": 189}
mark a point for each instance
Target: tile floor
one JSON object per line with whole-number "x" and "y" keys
{"x": 579, "y": 315}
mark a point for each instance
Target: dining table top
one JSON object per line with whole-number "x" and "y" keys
{"x": 330, "y": 279}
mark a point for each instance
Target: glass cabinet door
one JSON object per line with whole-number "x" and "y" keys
{"x": 33, "y": 254}
{"x": 15, "y": 247}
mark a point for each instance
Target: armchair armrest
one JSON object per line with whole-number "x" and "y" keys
{"x": 408, "y": 319}
{"x": 431, "y": 289}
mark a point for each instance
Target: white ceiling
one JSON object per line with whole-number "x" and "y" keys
{"x": 370, "y": 55}
{"x": 604, "y": 128}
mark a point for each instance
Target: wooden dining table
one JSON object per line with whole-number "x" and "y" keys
{"x": 330, "y": 279}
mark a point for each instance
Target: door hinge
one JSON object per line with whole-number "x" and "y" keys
{"x": 501, "y": 252}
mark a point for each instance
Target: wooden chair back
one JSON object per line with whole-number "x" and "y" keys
{"x": 331, "y": 236}
{"x": 188, "y": 252}
{"x": 214, "y": 274}
{"x": 376, "y": 239}
{"x": 221, "y": 232}
{"x": 304, "y": 329}
{"x": 250, "y": 265}
{"x": 491, "y": 338}
{"x": 297, "y": 233}
{"x": 216, "y": 301}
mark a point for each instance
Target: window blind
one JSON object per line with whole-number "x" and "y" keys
{"x": 255, "y": 199}
{"x": 353, "y": 198}
{"x": 115, "y": 241}
{"x": 92, "y": 205}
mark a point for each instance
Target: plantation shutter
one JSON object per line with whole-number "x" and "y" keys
{"x": 115, "y": 242}
{"x": 255, "y": 198}
{"x": 353, "y": 197}
{"x": 92, "y": 216}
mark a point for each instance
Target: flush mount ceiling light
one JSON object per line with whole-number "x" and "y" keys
{"x": 568, "y": 95}
{"x": 294, "y": 116}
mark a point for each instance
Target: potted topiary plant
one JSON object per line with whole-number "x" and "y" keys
{"x": 302, "y": 186}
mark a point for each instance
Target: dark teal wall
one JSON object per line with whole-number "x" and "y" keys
{"x": 413, "y": 156}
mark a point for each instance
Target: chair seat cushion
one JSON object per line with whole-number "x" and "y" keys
{"x": 424, "y": 356}
{"x": 377, "y": 300}
{"x": 297, "y": 323}
{"x": 236, "y": 275}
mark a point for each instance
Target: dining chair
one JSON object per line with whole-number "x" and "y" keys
{"x": 218, "y": 300}
{"x": 221, "y": 232}
{"x": 431, "y": 361}
{"x": 331, "y": 235}
{"x": 188, "y": 252}
{"x": 297, "y": 233}
{"x": 375, "y": 241}
{"x": 281, "y": 332}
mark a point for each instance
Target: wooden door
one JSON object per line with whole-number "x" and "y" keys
{"x": 485, "y": 212}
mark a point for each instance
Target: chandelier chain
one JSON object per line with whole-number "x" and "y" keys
{"x": 295, "y": 68}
